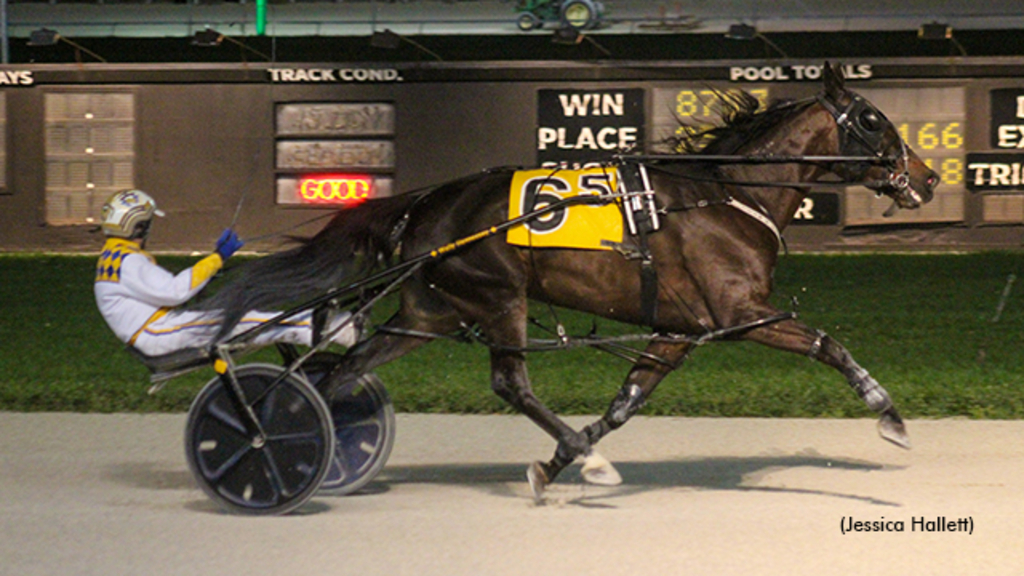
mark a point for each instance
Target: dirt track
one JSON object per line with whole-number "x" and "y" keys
{"x": 111, "y": 495}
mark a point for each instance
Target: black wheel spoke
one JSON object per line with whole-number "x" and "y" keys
{"x": 274, "y": 476}
{"x": 267, "y": 405}
{"x": 230, "y": 463}
{"x": 364, "y": 423}
{"x": 311, "y": 435}
{"x": 230, "y": 419}
{"x": 343, "y": 464}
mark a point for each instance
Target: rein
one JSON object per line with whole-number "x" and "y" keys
{"x": 751, "y": 159}
{"x": 776, "y": 184}
{"x": 725, "y": 159}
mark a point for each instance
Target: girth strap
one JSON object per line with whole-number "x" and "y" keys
{"x": 642, "y": 217}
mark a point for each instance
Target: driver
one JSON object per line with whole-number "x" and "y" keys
{"x": 138, "y": 298}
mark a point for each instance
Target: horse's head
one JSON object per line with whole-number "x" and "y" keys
{"x": 893, "y": 169}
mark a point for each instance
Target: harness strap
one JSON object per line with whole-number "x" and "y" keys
{"x": 641, "y": 213}
{"x": 642, "y": 216}
{"x": 756, "y": 215}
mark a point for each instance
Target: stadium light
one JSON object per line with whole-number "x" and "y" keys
{"x": 210, "y": 37}
{"x": 939, "y": 31}
{"x": 747, "y": 32}
{"x": 48, "y": 37}
{"x": 390, "y": 41}
{"x": 569, "y": 36}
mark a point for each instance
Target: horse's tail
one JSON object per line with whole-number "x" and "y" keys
{"x": 350, "y": 245}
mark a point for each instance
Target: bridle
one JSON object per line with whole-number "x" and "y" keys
{"x": 862, "y": 126}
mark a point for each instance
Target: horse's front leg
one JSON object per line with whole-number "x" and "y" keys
{"x": 796, "y": 337}
{"x": 827, "y": 350}
{"x": 658, "y": 360}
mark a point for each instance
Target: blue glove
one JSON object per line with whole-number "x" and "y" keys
{"x": 228, "y": 244}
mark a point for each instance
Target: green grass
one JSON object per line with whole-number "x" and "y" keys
{"x": 921, "y": 324}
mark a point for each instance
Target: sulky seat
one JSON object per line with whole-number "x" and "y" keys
{"x": 175, "y": 362}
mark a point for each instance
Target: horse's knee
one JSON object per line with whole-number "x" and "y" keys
{"x": 826, "y": 349}
{"x": 829, "y": 351}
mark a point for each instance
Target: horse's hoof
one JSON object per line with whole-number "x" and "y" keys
{"x": 598, "y": 470}
{"x": 891, "y": 428}
{"x": 538, "y": 480}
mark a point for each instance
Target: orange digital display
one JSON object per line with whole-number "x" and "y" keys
{"x": 344, "y": 189}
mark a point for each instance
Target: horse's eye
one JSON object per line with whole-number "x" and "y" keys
{"x": 870, "y": 121}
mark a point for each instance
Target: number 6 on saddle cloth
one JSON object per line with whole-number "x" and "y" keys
{"x": 590, "y": 226}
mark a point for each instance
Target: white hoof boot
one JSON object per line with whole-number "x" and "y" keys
{"x": 538, "y": 481}
{"x": 598, "y": 470}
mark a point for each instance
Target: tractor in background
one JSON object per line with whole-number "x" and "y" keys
{"x": 575, "y": 14}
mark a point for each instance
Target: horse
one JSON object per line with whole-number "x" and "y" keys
{"x": 711, "y": 260}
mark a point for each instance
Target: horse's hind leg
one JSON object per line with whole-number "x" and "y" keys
{"x": 796, "y": 337}
{"x": 507, "y": 334}
{"x": 417, "y": 323}
{"x": 509, "y": 381}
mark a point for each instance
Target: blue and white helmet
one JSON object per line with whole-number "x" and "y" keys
{"x": 126, "y": 210}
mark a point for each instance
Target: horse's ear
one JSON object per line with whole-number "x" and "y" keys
{"x": 834, "y": 80}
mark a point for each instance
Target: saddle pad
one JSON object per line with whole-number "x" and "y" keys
{"x": 590, "y": 227}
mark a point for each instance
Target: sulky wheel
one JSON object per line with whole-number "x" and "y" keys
{"x": 364, "y": 426}
{"x": 252, "y": 475}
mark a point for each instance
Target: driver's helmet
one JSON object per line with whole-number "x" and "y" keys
{"x": 126, "y": 210}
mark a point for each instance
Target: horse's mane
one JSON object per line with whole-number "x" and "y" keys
{"x": 740, "y": 121}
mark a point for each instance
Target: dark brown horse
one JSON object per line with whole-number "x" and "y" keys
{"x": 712, "y": 258}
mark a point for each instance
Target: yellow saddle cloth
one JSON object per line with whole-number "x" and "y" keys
{"x": 590, "y": 227}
